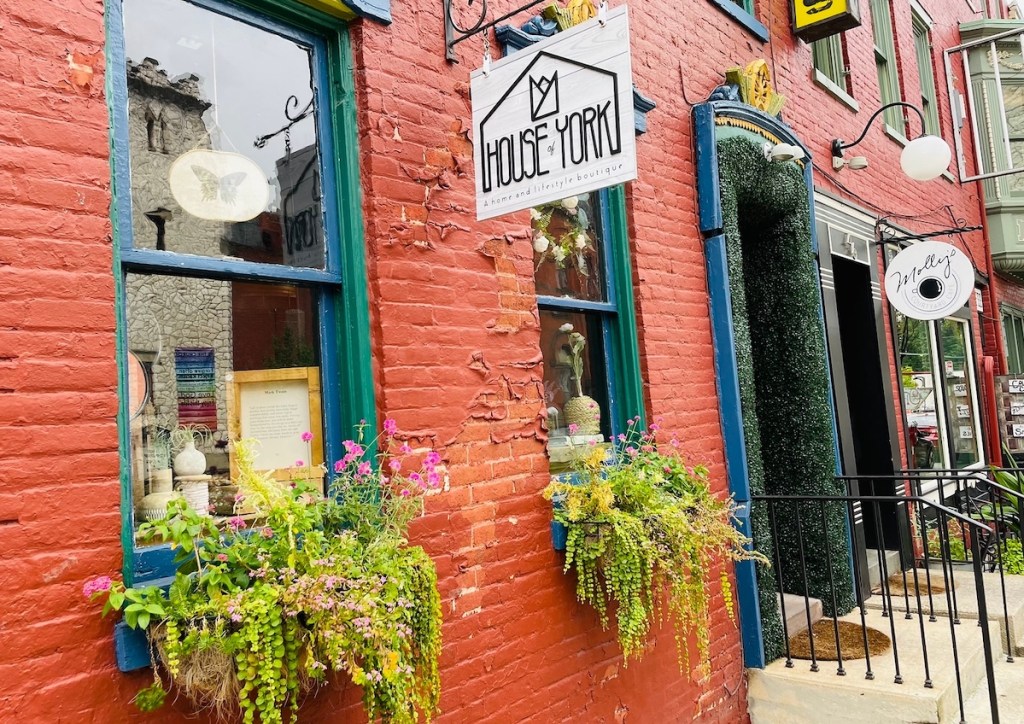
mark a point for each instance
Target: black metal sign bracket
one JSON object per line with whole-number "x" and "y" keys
{"x": 454, "y": 33}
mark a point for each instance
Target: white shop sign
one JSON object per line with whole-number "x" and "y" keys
{"x": 929, "y": 280}
{"x": 556, "y": 119}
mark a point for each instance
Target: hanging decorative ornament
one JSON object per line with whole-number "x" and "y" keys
{"x": 929, "y": 280}
{"x": 219, "y": 185}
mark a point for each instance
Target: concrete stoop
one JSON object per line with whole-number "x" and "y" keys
{"x": 779, "y": 695}
{"x": 796, "y": 609}
{"x": 967, "y": 603}
{"x": 892, "y": 563}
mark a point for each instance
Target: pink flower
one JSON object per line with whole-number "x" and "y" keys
{"x": 267, "y": 532}
{"x": 390, "y": 426}
{"x": 235, "y": 523}
{"x": 96, "y": 585}
{"x": 405, "y": 449}
{"x": 299, "y": 463}
{"x": 432, "y": 458}
{"x": 416, "y": 478}
{"x": 395, "y": 464}
{"x": 433, "y": 479}
{"x": 339, "y": 465}
{"x": 364, "y": 468}
{"x": 307, "y": 436}
{"x": 222, "y": 557}
{"x": 573, "y": 428}
{"x": 405, "y": 493}
{"x": 239, "y": 497}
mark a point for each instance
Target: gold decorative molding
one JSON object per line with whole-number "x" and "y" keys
{"x": 756, "y": 89}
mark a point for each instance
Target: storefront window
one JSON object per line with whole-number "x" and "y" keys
{"x": 939, "y": 392}
{"x": 225, "y": 155}
{"x": 587, "y": 337}
{"x": 186, "y": 335}
{"x": 958, "y": 377}
{"x": 917, "y": 370}
{"x": 230, "y": 281}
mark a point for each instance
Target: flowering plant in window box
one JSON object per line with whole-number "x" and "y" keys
{"x": 561, "y": 233}
{"x": 266, "y": 607}
{"x": 644, "y": 532}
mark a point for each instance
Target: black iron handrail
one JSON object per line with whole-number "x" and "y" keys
{"x": 804, "y": 503}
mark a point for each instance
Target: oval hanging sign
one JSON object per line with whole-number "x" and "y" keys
{"x": 219, "y": 185}
{"x": 929, "y": 280}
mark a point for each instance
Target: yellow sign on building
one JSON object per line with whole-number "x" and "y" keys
{"x": 332, "y": 7}
{"x": 816, "y": 19}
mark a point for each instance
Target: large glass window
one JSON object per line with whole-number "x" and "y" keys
{"x": 885, "y": 63}
{"x": 926, "y": 74}
{"x": 959, "y": 386}
{"x": 940, "y": 397}
{"x": 827, "y": 56}
{"x": 588, "y": 336}
{"x": 1013, "y": 333}
{"x": 926, "y": 425}
{"x": 228, "y": 241}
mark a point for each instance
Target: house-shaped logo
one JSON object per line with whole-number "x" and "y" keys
{"x": 557, "y": 115}
{"x": 544, "y": 97}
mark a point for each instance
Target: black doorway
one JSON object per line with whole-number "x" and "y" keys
{"x": 866, "y": 446}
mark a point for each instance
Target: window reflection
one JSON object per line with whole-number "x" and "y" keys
{"x": 186, "y": 335}
{"x": 567, "y": 245}
{"x": 223, "y": 142}
{"x": 959, "y": 402}
{"x": 919, "y": 398}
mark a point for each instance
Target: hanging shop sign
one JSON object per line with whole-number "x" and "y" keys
{"x": 817, "y": 19}
{"x": 929, "y": 280}
{"x": 555, "y": 120}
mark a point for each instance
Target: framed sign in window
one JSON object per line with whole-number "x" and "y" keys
{"x": 276, "y": 407}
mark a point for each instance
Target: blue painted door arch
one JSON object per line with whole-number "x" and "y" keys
{"x": 746, "y": 120}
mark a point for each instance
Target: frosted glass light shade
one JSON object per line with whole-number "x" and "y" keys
{"x": 925, "y": 158}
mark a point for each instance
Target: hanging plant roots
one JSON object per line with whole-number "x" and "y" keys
{"x": 851, "y": 640}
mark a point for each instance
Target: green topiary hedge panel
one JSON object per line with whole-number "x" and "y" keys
{"x": 784, "y": 383}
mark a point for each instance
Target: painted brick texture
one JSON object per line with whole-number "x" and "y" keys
{"x": 455, "y": 332}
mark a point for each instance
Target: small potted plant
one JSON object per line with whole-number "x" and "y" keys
{"x": 644, "y": 532}
{"x": 260, "y": 612}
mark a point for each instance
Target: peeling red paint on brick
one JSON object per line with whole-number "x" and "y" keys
{"x": 456, "y": 347}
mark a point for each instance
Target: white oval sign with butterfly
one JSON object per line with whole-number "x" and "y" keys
{"x": 219, "y": 185}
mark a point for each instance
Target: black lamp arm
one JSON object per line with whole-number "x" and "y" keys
{"x": 838, "y": 146}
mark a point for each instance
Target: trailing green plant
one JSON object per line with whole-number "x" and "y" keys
{"x": 646, "y": 534}
{"x": 1012, "y": 556}
{"x": 1006, "y": 508}
{"x": 956, "y": 541}
{"x": 262, "y": 609}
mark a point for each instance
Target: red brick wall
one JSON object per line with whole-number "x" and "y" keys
{"x": 455, "y": 334}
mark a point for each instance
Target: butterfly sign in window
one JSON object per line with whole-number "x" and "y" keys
{"x": 219, "y": 185}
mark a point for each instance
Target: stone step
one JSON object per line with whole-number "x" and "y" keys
{"x": 795, "y": 608}
{"x": 779, "y": 694}
{"x": 892, "y": 563}
{"x": 1011, "y": 623}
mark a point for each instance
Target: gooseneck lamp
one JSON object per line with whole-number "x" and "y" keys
{"x": 923, "y": 159}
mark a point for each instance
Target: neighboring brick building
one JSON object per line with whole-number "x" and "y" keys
{"x": 453, "y": 330}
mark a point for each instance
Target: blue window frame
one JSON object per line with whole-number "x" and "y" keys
{"x": 742, "y": 11}
{"x": 320, "y": 277}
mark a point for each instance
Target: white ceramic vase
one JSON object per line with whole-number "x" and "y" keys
{"x": 161, "y": 481}
{"x": 154, "y": 506}
{"x": 190, "y": 461}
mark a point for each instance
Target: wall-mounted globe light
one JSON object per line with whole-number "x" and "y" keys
{"x": 923, "y": 159}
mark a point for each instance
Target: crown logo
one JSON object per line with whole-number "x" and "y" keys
{"x": 543, "y": 97}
